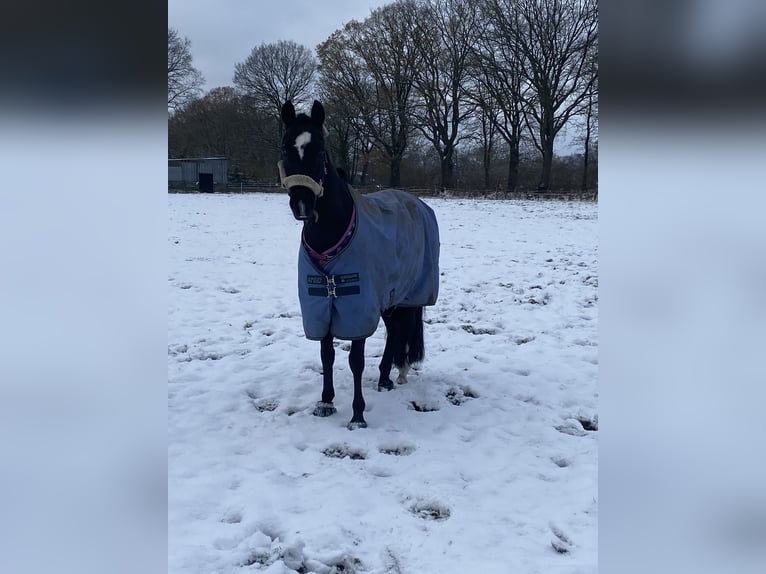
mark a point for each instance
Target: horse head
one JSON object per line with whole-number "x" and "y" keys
{"x": 304, "y": 163}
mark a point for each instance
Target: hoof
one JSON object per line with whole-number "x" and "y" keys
{"x": 385, "y": 385}
{"x": 324, "y": 409}
{"x": 401, "y": 380}
{"x": 353, "y": 425}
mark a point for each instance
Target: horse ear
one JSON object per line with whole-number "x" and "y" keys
{"x": 317, "y": 113}
{"x": 288, "y": 113}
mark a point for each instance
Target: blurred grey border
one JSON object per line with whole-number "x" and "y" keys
{"x": 82, "y": 287}
{"x": 82, "y": 295}
{"x": 58, "y": 57}
{"x": 683, "y": 287}
{"x": 695, "y": 59}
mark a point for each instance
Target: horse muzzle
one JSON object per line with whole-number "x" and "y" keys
{"x": 303, "y": 210}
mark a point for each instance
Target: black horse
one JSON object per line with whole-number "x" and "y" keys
{"x": 361, "y": 257}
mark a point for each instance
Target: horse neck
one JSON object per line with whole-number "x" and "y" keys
{"x": 334, "y": 209}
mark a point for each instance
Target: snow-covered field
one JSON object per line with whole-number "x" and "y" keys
{"x": 486, "y": 462}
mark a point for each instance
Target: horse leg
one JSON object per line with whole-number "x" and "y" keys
{"x": 356, "y": 362}
{"x": 403, "y": 370}
{"x": 385, "y": 383}
{"x": 325, "y": 407}
{"x": 414, "y": 349}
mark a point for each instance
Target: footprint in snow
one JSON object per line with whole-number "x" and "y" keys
{"x": 265, "y": 405}
{"x": 260, "y": 558}
{"x": 232, "y": 518}
{"x": 430, "y": 510}
{"x": 579, "y": 426}
{"x": 344, "y": 451}
{"x": 262, "y": 405}
{"x": 589, "y": 424}
{"x": 478, "y": 330}
{"x": 174, "y": 350}
{"x": 561, "y": 543}
{"x": 205, "y": 356}
{"x": 397, "y": 450}
{"x": 424, "y": 405}
{"x": 529, "y": 400}
{"x": 457, "y": 396}
{"x": 561, "y": 461}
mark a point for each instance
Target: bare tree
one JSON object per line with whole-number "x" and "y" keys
{"x": 497, "y": 69}
{"x": 348, "y": 141}
{"x": 483, "y": 127}
{"x": 275, "y": 73}
{"x": 271, "y": 75}
{"x": 590, "y": 111}
{"x": 345, "y": 86}
{"x": 447, "y": 31}
{"x": 223, "y": 122}
{"x": 372, "y": 64}
{"x": 184, "y": 80}
{"x": 556, "y": 39}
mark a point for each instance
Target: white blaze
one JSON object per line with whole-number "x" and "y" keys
{"x": 301, "y": 142}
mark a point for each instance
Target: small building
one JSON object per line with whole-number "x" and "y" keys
{"x": 204, "y": 173}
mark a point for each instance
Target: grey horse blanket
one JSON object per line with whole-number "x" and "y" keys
{"x": 392, "y": 259}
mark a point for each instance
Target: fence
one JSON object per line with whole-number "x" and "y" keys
{"x": 421, "y": 192}
{"x": 590, "y": 195}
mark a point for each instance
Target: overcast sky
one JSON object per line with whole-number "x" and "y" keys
{"x": 224, "y": 32}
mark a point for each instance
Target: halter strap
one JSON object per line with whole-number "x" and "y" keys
{"x": 289, "y": 181}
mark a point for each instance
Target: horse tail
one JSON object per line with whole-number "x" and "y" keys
{"x": 415, "y": 346}
{"x": 405, "y": 328}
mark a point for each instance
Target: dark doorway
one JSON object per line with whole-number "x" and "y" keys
{"x": 206, "y": 183}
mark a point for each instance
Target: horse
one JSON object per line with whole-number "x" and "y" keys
{"x": 361, "y": 257}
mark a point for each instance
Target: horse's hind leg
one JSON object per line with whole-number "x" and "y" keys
{"x": 404, "y": 336}
{"x": 356, "y": 362}
{"x": 385, "y": 383}
{"x": 415, "y": 348}
{"x": 411, "y": 332}
{"x": 325, "y": 407}
{"x": 403, "y": 370}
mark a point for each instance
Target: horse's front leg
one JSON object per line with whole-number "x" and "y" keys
{"x": 325, "y": 407}
{"x": 356, "y": 362}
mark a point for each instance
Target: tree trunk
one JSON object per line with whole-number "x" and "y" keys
{"x": 545, "y": 174}
{"x": 354, "y": 165}
{"x": 486, "y": 159}
{"x": 448, "y": 169}
{"x": 584, "y": 185}
{"x": 513, "y": 166}
{"x": 395, "y": 174}
{"x": 547, "y": 135}
{"x": 343, "y": 158}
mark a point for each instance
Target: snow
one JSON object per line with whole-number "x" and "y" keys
{"x": 486, "y": 461}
